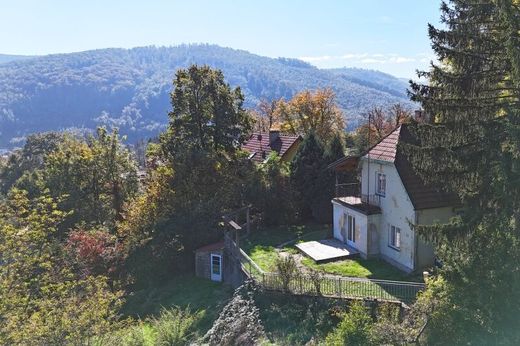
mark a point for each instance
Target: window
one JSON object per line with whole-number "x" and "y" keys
{"x": 351, "y": 228}
{"x": 215, "y": 265}
{"x": 395, "y": 237}
{"x": 380, "y": 184}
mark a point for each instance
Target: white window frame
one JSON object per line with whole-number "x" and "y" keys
{"x": 394, "y": 237}
{"x": 215, "y": 276}
{"x": 380, "y": 188}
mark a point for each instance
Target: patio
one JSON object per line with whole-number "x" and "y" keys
{"x": 326, "y": 250}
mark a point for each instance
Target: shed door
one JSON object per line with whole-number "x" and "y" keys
{"x": 216, "y": 267}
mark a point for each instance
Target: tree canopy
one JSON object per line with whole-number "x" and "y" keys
{"x": 207, "y": 113}
{"x": 471, "y": 147}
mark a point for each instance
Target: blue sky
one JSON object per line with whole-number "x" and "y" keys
{"x": 387, "y": 35}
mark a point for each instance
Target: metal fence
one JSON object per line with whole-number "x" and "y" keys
{"x": 318, "y": 284}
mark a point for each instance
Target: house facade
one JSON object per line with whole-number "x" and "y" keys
{"x": 374, "y": 216}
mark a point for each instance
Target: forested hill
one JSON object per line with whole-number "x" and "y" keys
{"x": 5, "y": 58}
{"x": 130, "y": 88}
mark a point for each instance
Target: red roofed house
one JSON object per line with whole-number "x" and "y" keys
{"x": 374, "y": 217}
{"x": 260, "y": 145}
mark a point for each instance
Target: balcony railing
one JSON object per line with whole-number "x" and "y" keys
{"x": 354, "y": 190}
{"x": 348, "y": 189}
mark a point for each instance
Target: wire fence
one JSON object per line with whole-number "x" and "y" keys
{"x": 320, "y": 284}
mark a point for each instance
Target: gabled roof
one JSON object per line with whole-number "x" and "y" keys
{"x": 260, "y": 147}
{"x": 386, "y": 149}
{"x": 421, "y": 195}
{"x": 211, "y": 247}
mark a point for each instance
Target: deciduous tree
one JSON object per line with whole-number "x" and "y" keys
{"x": 310, "y": 112}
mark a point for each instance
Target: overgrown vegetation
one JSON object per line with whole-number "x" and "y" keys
{"x": 77, "y": 239}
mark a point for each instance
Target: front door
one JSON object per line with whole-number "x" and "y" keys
{"x": 351, "y": 230}
{"x": 216, "y": 267}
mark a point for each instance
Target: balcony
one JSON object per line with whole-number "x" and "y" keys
{"x": 350, "y": 195}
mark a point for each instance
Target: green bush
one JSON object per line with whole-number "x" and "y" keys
{"x": 174, "y": 326}
{"x": 287, "y": 269}
{"x": 354, "y": 329}
{"x": 133, "y": 335}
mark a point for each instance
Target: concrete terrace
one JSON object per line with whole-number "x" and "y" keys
{"x": 326, "y": 250}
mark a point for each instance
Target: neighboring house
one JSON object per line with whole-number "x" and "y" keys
{"x": 260, "y": 145}
{"x": 374, "y": 217}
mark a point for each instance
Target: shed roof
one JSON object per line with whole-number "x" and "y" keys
{"x": 211, "y": 247}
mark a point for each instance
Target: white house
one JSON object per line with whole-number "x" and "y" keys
{"x": 374, "y": 217}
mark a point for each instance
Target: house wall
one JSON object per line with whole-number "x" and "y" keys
{"x": 396, "y": 210}
{"x": 289, "y": 155}
{"x": 425, "y": 253}
{"x": 361, "y": 226}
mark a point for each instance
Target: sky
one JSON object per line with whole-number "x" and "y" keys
{"x": 386, "y": 35}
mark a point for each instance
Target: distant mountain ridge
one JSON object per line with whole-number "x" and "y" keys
{"x": 5, "y": 58}
{"x": 129, "y": 88}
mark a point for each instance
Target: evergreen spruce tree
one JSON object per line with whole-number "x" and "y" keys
{"x": 472, "y": 148}
{"x": 306, "y": 172}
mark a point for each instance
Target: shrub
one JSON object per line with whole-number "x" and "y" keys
{"x": 133, "y": 335}
{"x": 94, "y": 252}
{"x": 287, "y": 269}
{"x": 316, "y": 279}
{"x": 354, "y": 329}
{"x": 174, "y": 326}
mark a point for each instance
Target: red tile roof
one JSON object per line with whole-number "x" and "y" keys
{"x": 386, "y": 149}
{"x": 211, "y": 247}
{"x": 421, "y": 195}
{"x": 258, "y": 145}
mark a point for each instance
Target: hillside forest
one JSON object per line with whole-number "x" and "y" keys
{"x": 84, "y": 234}
{"x": 129, "y": 88}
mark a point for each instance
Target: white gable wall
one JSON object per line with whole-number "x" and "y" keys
{"x": 397, "y": 210}
{"x": 361, "y": 226}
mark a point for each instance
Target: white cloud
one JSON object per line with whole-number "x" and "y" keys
{"x": 363, "y": 58}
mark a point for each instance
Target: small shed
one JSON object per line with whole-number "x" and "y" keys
{"x": 208, "y": 261}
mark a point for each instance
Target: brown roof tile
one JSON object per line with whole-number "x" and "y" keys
{"x": 211, "y": 247}
{"x": 421, "y": 195}
{"x": 258, "y": 145}
{"x": 386, "y": 149}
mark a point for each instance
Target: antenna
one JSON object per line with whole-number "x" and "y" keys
{"x": 368, "y": 158}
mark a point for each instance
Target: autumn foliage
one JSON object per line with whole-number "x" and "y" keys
{"x": 94, "y": 252}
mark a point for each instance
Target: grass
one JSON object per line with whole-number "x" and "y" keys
{"x": 261, "y": 244}
{"x": 261, "y": 247}
{"x": 360, "y": 268}
{"x": 198, "y": 294}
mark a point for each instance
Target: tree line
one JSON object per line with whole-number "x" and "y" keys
{"x": 79, "y": 230}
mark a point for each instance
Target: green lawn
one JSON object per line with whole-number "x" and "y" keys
{"x": 261, "y": 247}
{"x": 360, "y": 268}
{"x": 184, "y": 291}
{"x": 261, "y": 244}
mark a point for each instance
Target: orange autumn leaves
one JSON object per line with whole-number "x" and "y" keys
{"x": 307, "y": 111}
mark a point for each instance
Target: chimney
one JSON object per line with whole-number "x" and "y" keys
{"x": 421, "y": 116}
{"x": 274, "y": 133}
